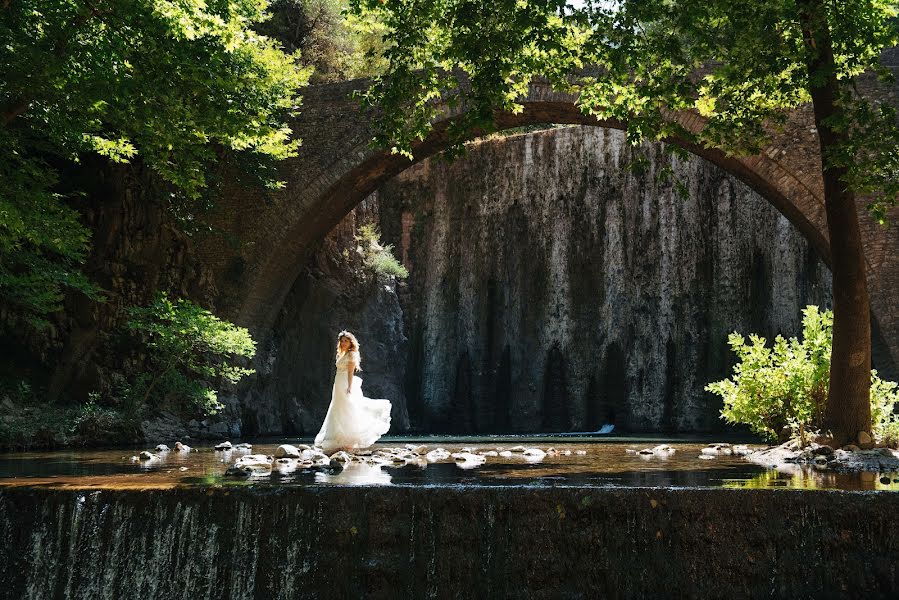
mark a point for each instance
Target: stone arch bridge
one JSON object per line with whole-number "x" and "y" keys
{"x": 336, "y": 169}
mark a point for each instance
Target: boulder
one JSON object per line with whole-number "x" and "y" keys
{"x": 179, "y": 447}
{"x": 162, "y": 448}
{"x": 467, "y": 460}
{"x": 223, "y": 446}
{"x": 533, "y": 454}
{"x": 437, "y": 454}
{"x": 341, "y": 457}
{"x": 146, "y": 455}
{"x": 287, "y": 451}
{"x": 255, "y": 461}
{"x": 822, "y": 450}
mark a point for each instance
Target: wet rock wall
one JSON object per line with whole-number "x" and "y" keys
{"x": 562, "y": 280}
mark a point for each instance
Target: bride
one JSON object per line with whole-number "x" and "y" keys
{"x": 353, "y": 421}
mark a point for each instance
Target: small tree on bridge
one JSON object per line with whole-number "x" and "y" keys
{"x": 740, "y": 65}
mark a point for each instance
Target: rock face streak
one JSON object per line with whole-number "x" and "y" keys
{"x": 559, "y": 281}
{"x": 553, "y": 288}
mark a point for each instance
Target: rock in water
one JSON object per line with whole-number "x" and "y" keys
{"x": 179, "y": 447}
{"x": 146, "y": 455}
{"x": 223, "y": 446}
{"x": 437, "y": 454}
{"x": 467, "y": 460}
{"x": 162, "y": 448}
{"x": 287, "y": 451}
{"x": 533, "y": 455}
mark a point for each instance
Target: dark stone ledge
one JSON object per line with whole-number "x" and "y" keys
{"x": 456, "y": 542}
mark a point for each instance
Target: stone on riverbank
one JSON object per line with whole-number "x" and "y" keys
{"x": 845, "y": 459}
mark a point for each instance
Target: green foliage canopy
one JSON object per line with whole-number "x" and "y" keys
{"x": 337, "y": 45}
{"x": 188, "y": 348}
{"x": 179, "y": 84}
{"x": 739, "y": 64}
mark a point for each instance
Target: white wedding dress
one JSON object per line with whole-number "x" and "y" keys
{"x": 353, "y": 421}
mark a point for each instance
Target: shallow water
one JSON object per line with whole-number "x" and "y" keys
{"x": 605, "y": 462}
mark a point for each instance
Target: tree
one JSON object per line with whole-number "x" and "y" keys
{"x": 739, "y": 64}
{"x": 189, "y": 348}
{"x": 338, "y": 46}
{"x": 179, "y": 85}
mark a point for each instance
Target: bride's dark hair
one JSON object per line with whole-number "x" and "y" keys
{"x": 354, "y": 346}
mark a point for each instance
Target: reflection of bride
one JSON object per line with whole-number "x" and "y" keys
{"x": 353, "y": 421}
{"x": 355, "y": 474}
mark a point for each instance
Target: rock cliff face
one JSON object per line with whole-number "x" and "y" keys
{"x": 553, "y": 288}
{"x": 296, "y": 371}
{"x": 558, "y": 281}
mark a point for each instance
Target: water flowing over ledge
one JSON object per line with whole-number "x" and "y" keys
{"x": 447, "y": 542}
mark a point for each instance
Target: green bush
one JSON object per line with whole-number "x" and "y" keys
{"x": 27, "y": 423}
{"x": 786, "y": 385}
{"x": 378, "y": 258}
{"x": 188, "y": 350}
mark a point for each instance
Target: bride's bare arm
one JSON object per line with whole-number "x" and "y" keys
{"x": 350, "y": 369}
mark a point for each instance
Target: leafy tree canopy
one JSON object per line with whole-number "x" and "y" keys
{"x": 739, "y": 64}
{"x": 176, "y": 83}
{"x": 338, "y": 45}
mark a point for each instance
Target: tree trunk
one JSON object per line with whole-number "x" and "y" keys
{"x": 848, "y": 409}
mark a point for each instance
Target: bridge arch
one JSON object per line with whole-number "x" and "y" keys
{"x": 336, "y": 168}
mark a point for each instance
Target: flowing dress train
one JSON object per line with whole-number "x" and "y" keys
{"x": 353, "y": 421}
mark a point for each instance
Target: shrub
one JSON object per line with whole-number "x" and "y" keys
{"x": 26, "y": 422}
{"x": 378, "y": 258}
{"x": 188, "y": 351}
{"x": 786, "y": 385}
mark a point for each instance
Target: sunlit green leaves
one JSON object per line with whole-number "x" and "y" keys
{"x": 785, "y": 385}
{"x": 742, "y": 65}
{"x": 189, "y": 349}
{"x": 176, "y": 84}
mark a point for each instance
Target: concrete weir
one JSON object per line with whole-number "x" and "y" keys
{"x": 447, "y": 542}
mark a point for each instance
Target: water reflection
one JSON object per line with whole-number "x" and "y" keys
{"x": 355, "y": 474}
{"x": 477, "y": 462}
{"x": 810, "y": 478}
